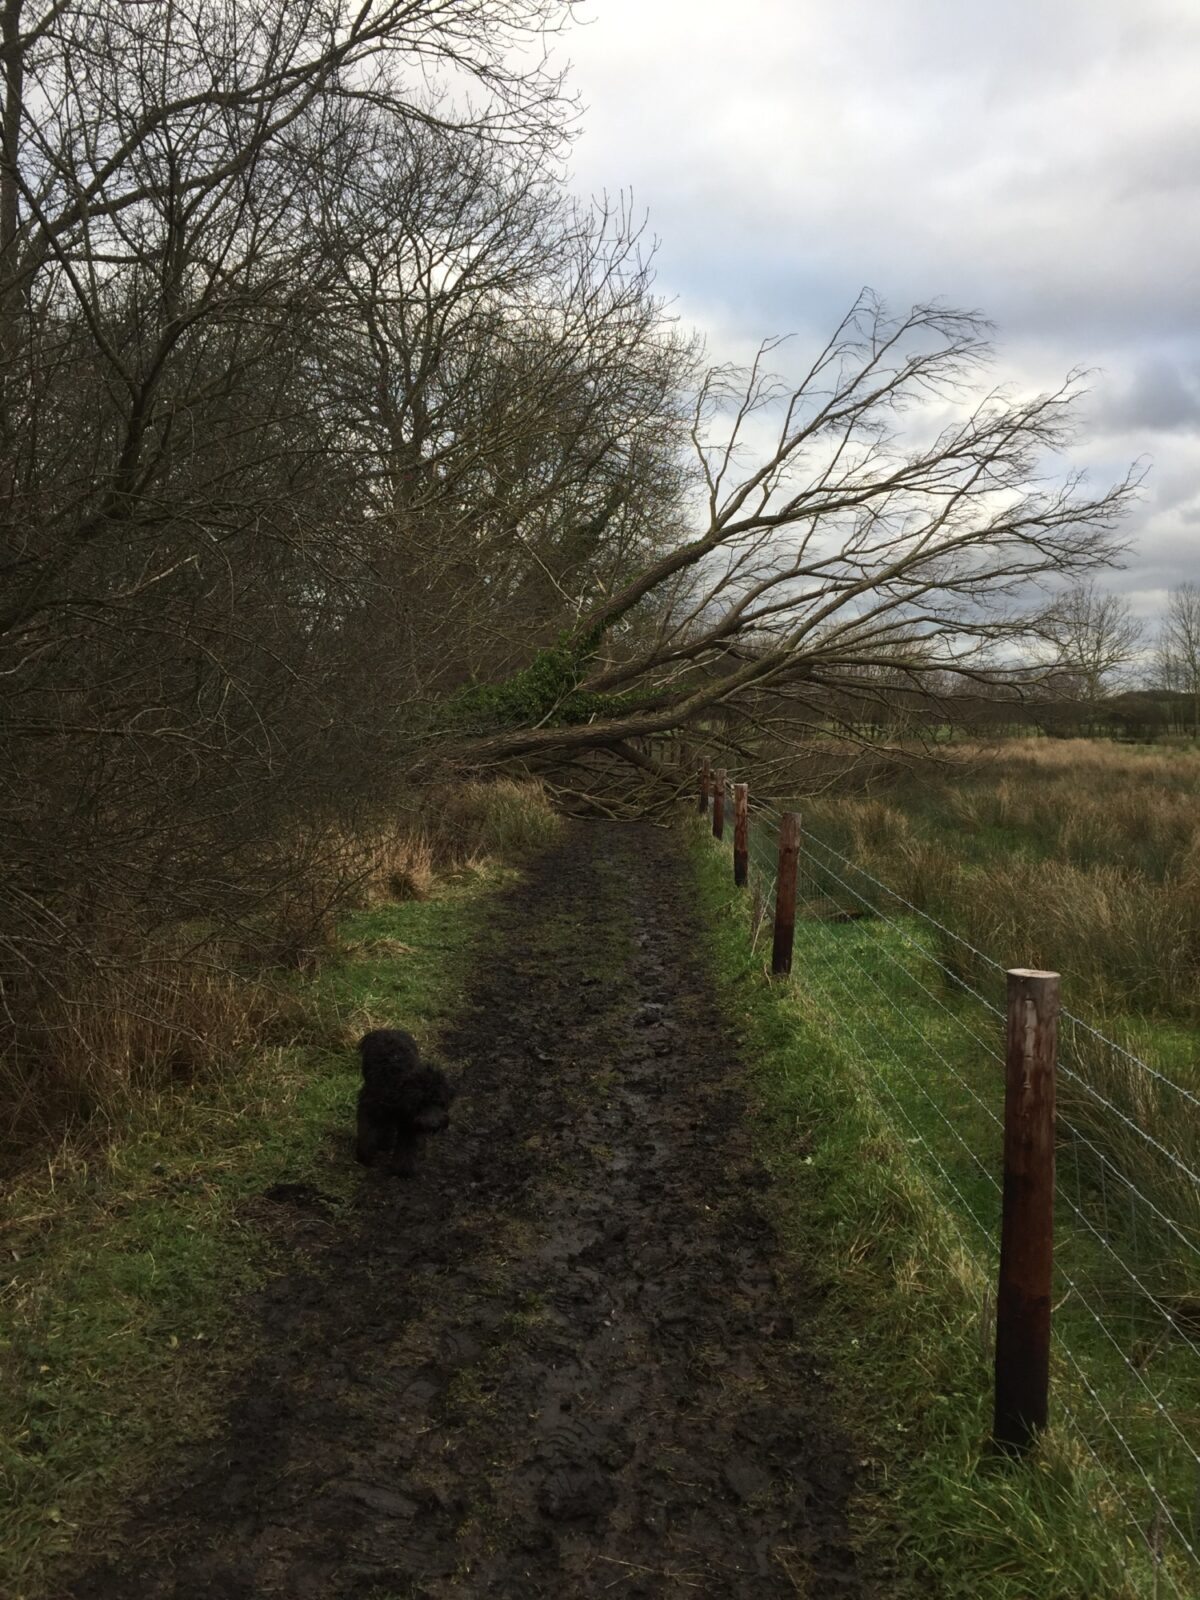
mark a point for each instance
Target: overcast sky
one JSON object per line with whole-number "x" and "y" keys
{"x": 1036, "y": 159}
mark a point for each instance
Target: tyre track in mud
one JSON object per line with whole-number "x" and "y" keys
{"x": 561, "y": 1360}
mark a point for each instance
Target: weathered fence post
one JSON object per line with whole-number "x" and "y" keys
{"x": 1027, "y": 1229}
{"x": 719, "y": 805}
{"x": 704, "y": 783}
{"x": 785, "y": 894}
{"x": 741, "y": 834}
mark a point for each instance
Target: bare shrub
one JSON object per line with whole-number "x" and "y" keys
{"x": 156, "y": 1018}
{"x": 502, "y": 818}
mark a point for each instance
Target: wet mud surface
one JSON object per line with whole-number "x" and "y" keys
{"x": 560, "y": 1360}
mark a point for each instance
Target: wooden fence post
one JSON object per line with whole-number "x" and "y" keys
{"x": 741, "y": 834}
{"x": 704, "y": 772}
{"x": 719, "y": 805}
{"x": 1027, "y": 1230}
{"x": 785, "y": 894}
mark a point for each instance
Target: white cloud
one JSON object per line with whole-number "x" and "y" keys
{"x": 1039, "y": 161}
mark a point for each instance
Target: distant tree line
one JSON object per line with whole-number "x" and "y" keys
{"x": 1096, "y": 671}
{"x": 1090, "y": 669}
{"x": 1110, "y": 674}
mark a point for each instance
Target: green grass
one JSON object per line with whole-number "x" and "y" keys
{"x": 119, "y": 1320}
{"x": 857, "y": 1113}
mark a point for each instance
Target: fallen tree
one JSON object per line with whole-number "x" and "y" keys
{"x": 862, "y": 542}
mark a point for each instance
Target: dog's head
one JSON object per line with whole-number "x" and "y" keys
{"x": 390, "y": 1047}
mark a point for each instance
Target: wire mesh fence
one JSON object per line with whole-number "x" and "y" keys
{"x": 920, "y": 1009}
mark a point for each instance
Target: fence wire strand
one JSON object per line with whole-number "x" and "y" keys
{"x": 1147, "y": 1138}
{"x": 1168, "y": 1222}
{"x": 847, "y": 991}
{"x": 1128, "y": 1055}
{"x": 835, "y": 1013}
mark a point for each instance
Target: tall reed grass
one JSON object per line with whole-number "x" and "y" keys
{"x": 1082, "y": 857}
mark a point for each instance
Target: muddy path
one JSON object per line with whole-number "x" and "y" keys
{"x": 563, "y": 1359}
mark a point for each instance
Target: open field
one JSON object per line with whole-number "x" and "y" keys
{"x": 1078, "y": 856}
{"x": 1081, "y": 858}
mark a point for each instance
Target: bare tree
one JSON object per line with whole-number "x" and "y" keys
{"x": 153, "y": 156}
{"x": 1095, "y": 639}
{"x": 857, "y": 542}
{"x": 1177, "y": 656}
{"x": 185, "y": 521}
{"x": 515, "y": 388}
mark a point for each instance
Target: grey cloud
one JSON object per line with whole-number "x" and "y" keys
{"x": 1166, "y": 162}
{"x": 1038, "y": 161}
{"x": 1162, "y": 397}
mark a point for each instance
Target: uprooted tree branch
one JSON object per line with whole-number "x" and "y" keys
{"x": 871, "y": 535}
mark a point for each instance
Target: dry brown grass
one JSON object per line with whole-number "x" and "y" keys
{"x": 1078, "y": 856}
{"x": 480, "y": 821}
{"x": 400, "y": 863}
{"x": 447, "y": 828}
{"x": 106, "y": 1033}
{"x": 141, "y": 1013}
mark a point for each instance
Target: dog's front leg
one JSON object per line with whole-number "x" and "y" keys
{"x": 404, "y": 1152}
{"x": 369, "y": 1136}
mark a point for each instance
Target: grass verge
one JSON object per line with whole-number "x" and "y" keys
{"x": 901, "y": 1318}
{"x": 124, "y": 1266}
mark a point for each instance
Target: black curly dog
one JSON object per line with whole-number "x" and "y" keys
{"x": 402, "y": 1098}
